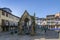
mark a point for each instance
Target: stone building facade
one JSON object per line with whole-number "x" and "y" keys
{"x": 7, "y": 19}
{"x": 51, "y": 21}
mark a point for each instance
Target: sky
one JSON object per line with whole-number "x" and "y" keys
{"x": 40, "y": 7}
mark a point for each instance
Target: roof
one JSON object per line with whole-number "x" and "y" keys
{"x": 15, "y": 16}
{"x": 6, "y": 9}
{"x": 50, "y": 15}
{"x": 9, "y": 11}
{"x": 32, "y": 17}
{"x": 42, "y": 18}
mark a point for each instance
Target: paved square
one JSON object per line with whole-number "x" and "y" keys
{"x": 47, "y": 36}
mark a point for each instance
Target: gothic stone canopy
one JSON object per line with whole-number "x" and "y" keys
{"x": 25, "y": 21}
{"x": 26, "y": 17}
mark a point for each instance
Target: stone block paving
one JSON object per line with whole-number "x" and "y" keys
{"x": 47, "y": 36}
{"x": 25, "y": 37}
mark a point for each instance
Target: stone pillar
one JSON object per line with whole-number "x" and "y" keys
{"x": 32, "y": 30}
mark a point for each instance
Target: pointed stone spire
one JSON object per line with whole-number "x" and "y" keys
{"x": 34, "y": 14}
{"x": 25, "y": 11}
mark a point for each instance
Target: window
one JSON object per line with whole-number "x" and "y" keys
{"x": 6, "y": 22}
{"x": 3, "y": 13}
{"x": 3, "y": 22}
{"x": 6, "y": 14}
{"x": 10, "y": 16}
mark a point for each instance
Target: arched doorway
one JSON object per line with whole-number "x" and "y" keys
{"x": 26, "y": 26}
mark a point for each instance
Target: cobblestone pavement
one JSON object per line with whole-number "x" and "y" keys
{"x": 7, "y": 36}
{"x": 23, "y": 37}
